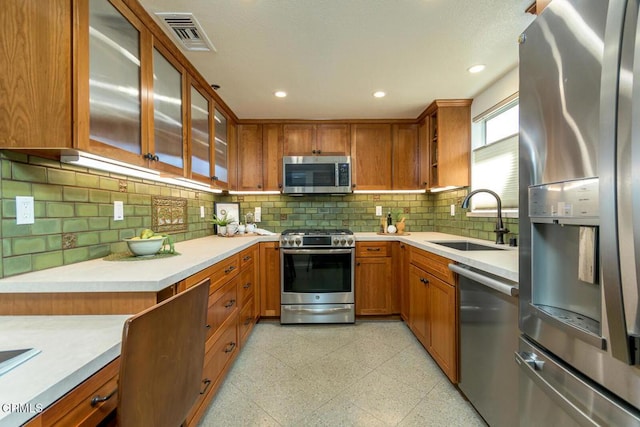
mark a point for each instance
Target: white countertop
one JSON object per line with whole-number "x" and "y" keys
{"x": 150, "y": 275}
{"x": 502, "y": 263}
{"x": 72, "y": 349}
{"x": 156, "y": 274}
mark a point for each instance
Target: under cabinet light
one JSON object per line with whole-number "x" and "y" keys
{"x": 255, "y": 192}
{"x": 440, "y": 189}
{"x": 109, "y": 165}
{"x": 389, "y": 191}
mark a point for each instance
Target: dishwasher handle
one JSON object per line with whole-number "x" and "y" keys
{"x": 498, "y": 285}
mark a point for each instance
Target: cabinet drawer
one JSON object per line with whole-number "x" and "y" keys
{"x": 434, "y": 264}
{"x": 249, "y": 256}
{"x": 373, "y": 249}
{"x": 219, "y": 273}
{"x": 215, "y": 361}
{"x": 246, "y": 285}
{"x": 75, "y": 408}
{"x": 222, "y": 305}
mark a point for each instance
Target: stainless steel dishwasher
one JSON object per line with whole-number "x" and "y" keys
{"x": 489, "y": 333}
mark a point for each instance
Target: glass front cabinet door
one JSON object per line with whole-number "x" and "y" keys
{"x": 221, "y": 168}
{"x": 200, "y": 137}
{"x": 167, "y": 149}
{"x": 114, "y": 82}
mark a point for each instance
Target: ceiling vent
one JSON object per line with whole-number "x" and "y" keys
{"x": 187, "y": 30}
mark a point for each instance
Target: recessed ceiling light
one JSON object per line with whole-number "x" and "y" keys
{"x": 379, "y": 94}
{"x": 476, "y": 68}
{"x": 280, "y": 94}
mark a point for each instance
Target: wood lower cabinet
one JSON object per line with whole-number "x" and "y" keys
{"x": 373, "y": 284}
{"x": 433, "y": 312}
{"x": 400, "y": 293}
{"x": 270, "y": 279}
{"x": 75, "y": 408}
{"x": 230, "y": 319}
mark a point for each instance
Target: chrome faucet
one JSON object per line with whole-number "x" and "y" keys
{"x": 500, "y": 228}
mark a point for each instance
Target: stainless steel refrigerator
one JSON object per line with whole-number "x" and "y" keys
{"x": 579, "y": 353}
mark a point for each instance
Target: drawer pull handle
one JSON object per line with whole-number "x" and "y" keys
{"x": 424, "y": 280}
{"x": 373, "y": 249}
{"x": 230, "y": 303}
{"x": 207, "y": 383}
{"x": 247, "y": 258}
{"x": 230, "y": 269}
{"x": 99, "y": 399}
{"x": 207, "y": 326}
{"x": 247, "y": 285}
{"x": 230, "y": 347}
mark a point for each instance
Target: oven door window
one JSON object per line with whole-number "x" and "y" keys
{"x": 317, "y": 272}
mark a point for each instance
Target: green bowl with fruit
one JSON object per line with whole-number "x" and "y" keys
{"x": 146, "y": 244}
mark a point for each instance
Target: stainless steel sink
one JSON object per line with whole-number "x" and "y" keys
{"x": 9, "y": 359}
{"x": 465, "y": 245}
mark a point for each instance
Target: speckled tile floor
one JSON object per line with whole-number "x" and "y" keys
{"x": 373, "y": 373}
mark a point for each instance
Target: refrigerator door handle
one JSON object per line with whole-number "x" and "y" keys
{"x": 530, "y": 365}
{"x": 611, "y": 127}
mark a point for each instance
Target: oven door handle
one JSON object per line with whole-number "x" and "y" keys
{"x": 316, "y": 251}
{"x": 318, "y": 310}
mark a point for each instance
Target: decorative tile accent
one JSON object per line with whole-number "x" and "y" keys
{"x": 69, "y": 240}
{"x": 122, "y": 185}
{"x": 169, "y": 214}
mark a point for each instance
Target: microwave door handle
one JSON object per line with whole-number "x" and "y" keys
{"x": 336, "y": 170}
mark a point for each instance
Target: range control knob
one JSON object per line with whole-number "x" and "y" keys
{"x": 298, "y": 241}
{"x": 343, "y": 242}
{"x": 350, "y": 241}
{"x": 335, "y": 242}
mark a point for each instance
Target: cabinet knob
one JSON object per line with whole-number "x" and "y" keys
{"x": 319, "y": 151}
{"x": 353, "y": 185}
{"x": 148, "y": 156}
{"x": 279, "y": 185}
{"x": 357, "y": 264}
{"x": 313, "y": 151}
{"x": 156, "y": 158}
{"x": 259, "y": 186}
{"x": 214, "y": 178}
{"x": 424, "y": 184}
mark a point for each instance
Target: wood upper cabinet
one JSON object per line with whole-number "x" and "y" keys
{"x": 167, "y": 146}
{"x": 36, "y": 84}
{"x": 250, "y": 157}
{"x": 449, "y": 135}
{"x": 333, "y": 139}
{"x": 272, "y": 157}
{"x": 371, "y": 154}
{"x": 259, "y": 157}
{"x": 405, "y": 171}
{"x": 316, "y": 139}
{"x": 423, "y": 154}
{"x": 373, "y": 283}
{"x": 199, "y": 134}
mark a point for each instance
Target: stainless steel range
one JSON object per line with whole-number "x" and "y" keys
{"x": 317, "y": 268}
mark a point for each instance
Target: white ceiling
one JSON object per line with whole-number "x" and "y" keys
{"x": 331, "y": 55}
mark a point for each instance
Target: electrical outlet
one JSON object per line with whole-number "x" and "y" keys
{"x": 378, "y": 210}
{"x": 24, "y": 210}
{"x": 118, "y": 211}
{"x": 453, "y": 210}
{"x": 201, "y": 211}
{"x": 257, "y": 215}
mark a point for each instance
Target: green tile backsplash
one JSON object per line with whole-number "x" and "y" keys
{"x": 74, "y": 212}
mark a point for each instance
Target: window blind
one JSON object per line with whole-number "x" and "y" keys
{"x": 495, "y": 167}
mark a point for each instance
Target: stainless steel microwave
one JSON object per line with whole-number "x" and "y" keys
{"x": 316, "y": 174}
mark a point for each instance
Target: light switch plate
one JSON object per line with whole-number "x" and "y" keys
{"x": 257, "y": 215}
{"x": 378, "y": 210}
{"x": 201, "y": 211}
{"x": 118, "y": 211}
{"x": 453, "y": 210}
{"x": 24, "y": 210}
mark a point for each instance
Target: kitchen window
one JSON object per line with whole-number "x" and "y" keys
{"x": 494, "y": 157}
